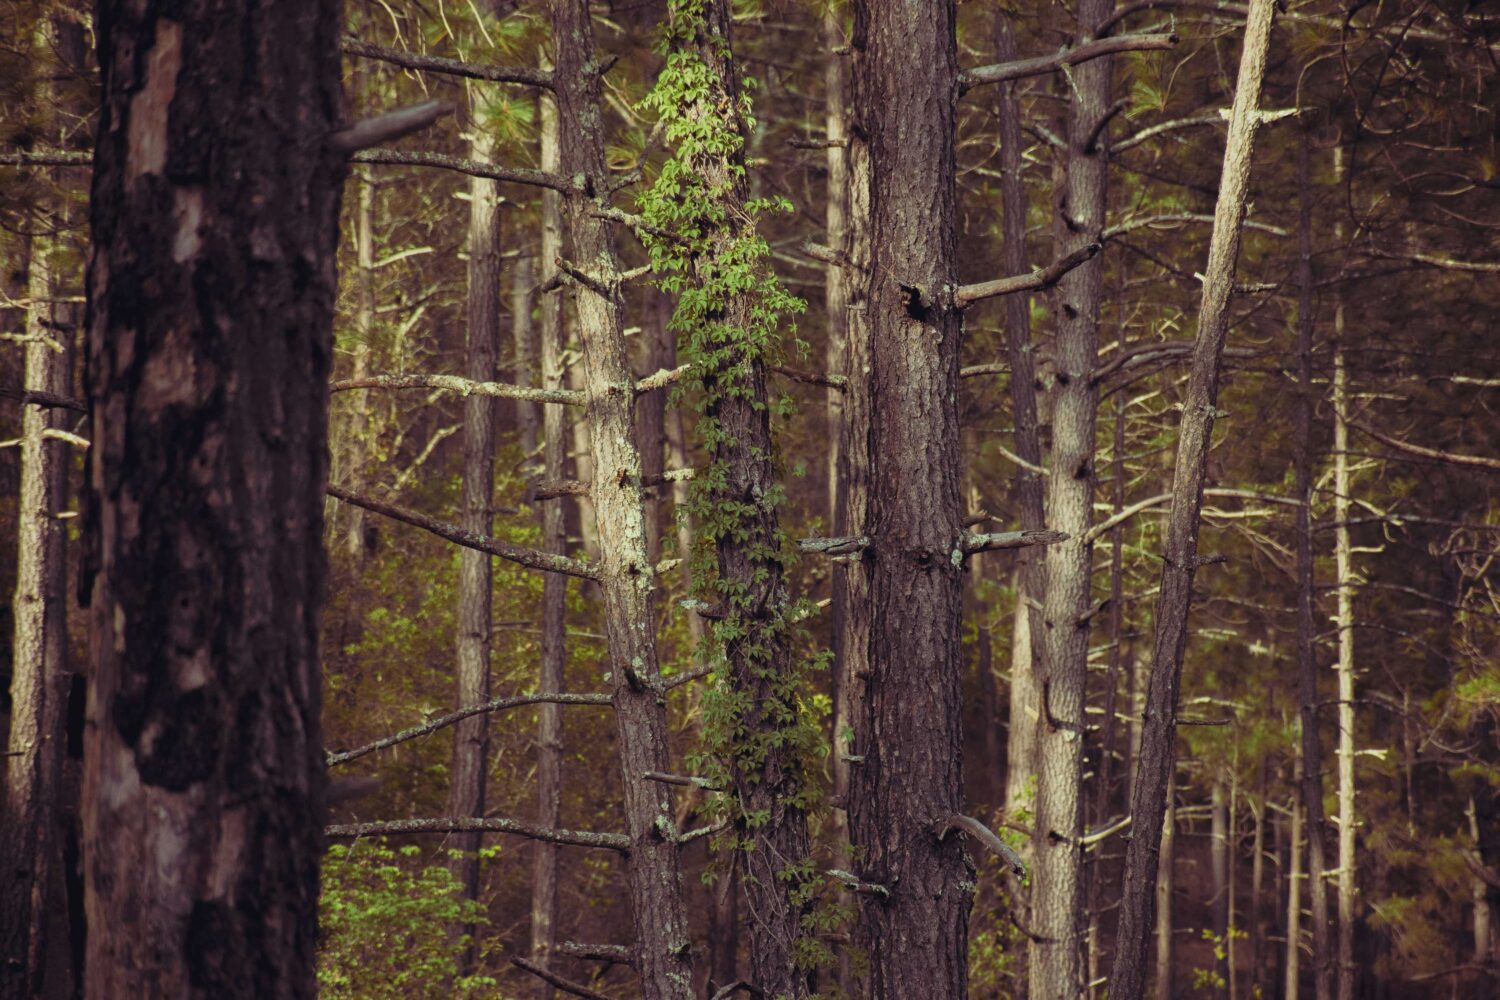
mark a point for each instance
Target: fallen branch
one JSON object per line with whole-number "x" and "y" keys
{"x": 532, "y": 558}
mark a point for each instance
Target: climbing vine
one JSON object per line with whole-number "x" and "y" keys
{"x": 731, "y": 320}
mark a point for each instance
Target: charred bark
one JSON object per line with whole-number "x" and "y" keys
{"x": 211, "y": 293}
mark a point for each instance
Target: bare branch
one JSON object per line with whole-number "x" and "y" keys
{"x": 1037, "y": 280}
{"x": 1097, "y": 836}
{"x": 837, "y": 546}
{"x": 47, "y": 158}
{"x": 566, "y": 985}
{"x": 1471, "y": 461}
{"x": 443, "y": 721}
{"x": 1131, "y": 141}
{"x": 829, "y": 255}
{"x": 987, "y": 837}
{"x": 1039, "y": 65}
{"x": 852, "y": 882}
{"x": 684, "y": 780}
{"x": 474, "y": 168}
{"x": 388, "y": 127}
{"x": 35, "y": 397}
{"x": 662, "y": 378}
{"x": 1178, "y": 218}
{"x": 450, "y": 67}
{"x": 463, "y": 386}
{"x": 518, "y": 554}
{"x": 595, "y": 952}
{"x": 1011, "y": 540}
{"x": 1126, "y": 513}
{"x": 479, "y": 824}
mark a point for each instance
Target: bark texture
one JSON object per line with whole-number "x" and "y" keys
{"x": 1057, "y": 879}
{"x": 1180, "y": 559}
{"x": 33, "y": 832}
{"x": 471, "y": 737}
{"x": 627, "y": 578}
{"x": 211, "y": 291}
{"x": 906, "y": 779}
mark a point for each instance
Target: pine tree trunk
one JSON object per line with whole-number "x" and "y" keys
{"x": 1344, "y": 622}
{"x": 627, "y": 577}
{"x": 1180, "y": 558}
{"x": 906, "y": 783}
{"x": 33, "y": 831}
{"x": 211, "y": 293}
{"x": 1165, "y": 882}
{"x": 1057, "y": 878}
{"x": 1294, "y": 881}
{"x": 549, "y": 753}
{"x": 1307, "y": 667}
{"x": 471, "y": 737}
{"x": 1219, "y": 861}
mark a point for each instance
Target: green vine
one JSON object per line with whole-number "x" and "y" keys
{"x": 731, "y": 318}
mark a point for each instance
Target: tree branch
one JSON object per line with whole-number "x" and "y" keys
{"x": 1011, "y": 540}
{"x": 479, "y": 824}
{"x": 1037, "y": 280}
{"x": 595, "y": 952}
{"x": 566, "y": 985}
{"x": 47, "y": 158}
{"x": 443, "y": 721}
{"x": 388, "y": 127}
{"x": 36, "y": 397}
{"x": 987, "y": 837}
{"x": 474, "y": 168}
{"x": 461, "y": 385}
{"x": 518, "y": 554}
{"x": 450, "y": 67}
{"x": 1131, "y": 141}
{"x": 1470, "y": 461}
{"x": 1039, "y": 65}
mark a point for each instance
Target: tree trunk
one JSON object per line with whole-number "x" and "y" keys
{"x": 1307, "y": 667}
{"x": 1294, "y": 881}
{"x": 34, "y": 828}
{"x": 1165, "y": 881}
{"x": 1057, "y": 880}
{"x": 471, "y": 737}
{"x": 627, "y": 578}
{"x": 211, "y": 292}
{"x": 1180, "y": 559}
{"x": 907, "y": 781}
{"x": 1031, "y": 576}
{"x": 1219, "y": 862}
{"x": 761, "y": 746}
{"x": 549, "y": 753}
{"x": 524, "y": 345}
{"x": 1344, "y": 622}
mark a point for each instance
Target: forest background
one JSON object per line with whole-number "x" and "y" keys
{"x": 1340, "y": 690}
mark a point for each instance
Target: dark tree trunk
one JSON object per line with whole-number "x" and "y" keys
{"x": 1180, "y": 558}
{"x": 471, "y": 737}
{"x": 906, "y": 782}
{"x": 211, "y": 292}
{"x": 767, "y": 769}
{"x": 627, "y": 577}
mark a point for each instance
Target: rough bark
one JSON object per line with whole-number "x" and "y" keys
{"x": 908, "y": 740}
{"x": 549, "y": 759}
{"x": 1056, "y": 908}
{"x": 1307, "y": 667}
{"x": 1180, "y": 558}
{"x": 627, "y": 577}
{"x": 1025, "y": 662}
{"x": 767, "y": 771}
{"x": 36, "y": 807}
{"x": 471, "y": 737}
{"x": 211, "y": 291}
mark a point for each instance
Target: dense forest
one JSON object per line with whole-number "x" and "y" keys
{"x": 707, "y": 498}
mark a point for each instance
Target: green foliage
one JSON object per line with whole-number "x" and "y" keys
{"x": 385, "y": 927}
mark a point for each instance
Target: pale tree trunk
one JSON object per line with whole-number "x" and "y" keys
{"x": 211, "y": 297}
{"x": 849, "y": 319}
{"x": 1294, "y": 880}
{"x": 1483, "y": 920}
{"x": 523, "y": 338}
{"x": 1344, "y": 622}
{"x": 1258, "y": 876}
{"x": 906, "y": 783}
{"x": 1219, "y": 861}
{"x": 1180, "y": 558}
{"x": 836, "y": 233}
{"x": 1307, "y": 667}
{"x": 357, "y": 451}
{"x": 33, "y": 824}
{"x": 1057, "y": 879}
{"x": 549, "y": 752}
{"x": 767, "y": 775}
{"x": 1031, "y": 570}
{"x": 471, "y": 737}
{"x": 627, "y": 578}
{"x": 1165, "y": 882}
